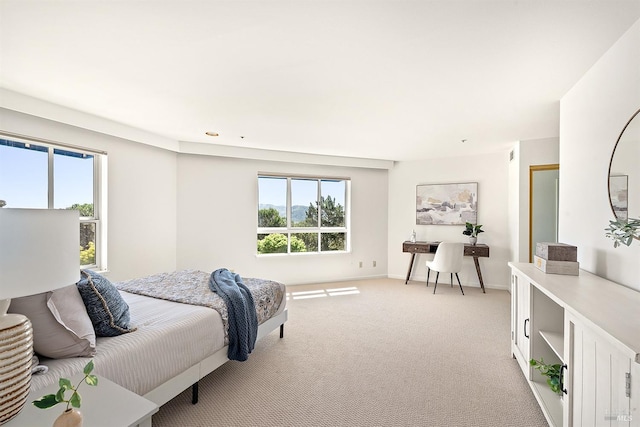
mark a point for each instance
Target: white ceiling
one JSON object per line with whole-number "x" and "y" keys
{"x": 388, "y": 79}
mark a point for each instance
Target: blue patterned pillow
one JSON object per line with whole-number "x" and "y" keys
{"x": 108, "y": 312}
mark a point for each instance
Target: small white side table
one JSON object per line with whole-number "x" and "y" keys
{"x": 105, "y": 405}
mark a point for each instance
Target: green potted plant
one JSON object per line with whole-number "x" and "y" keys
{"x": 71, "y": 417}
{"x": 552, "y": 372}
{"x": 472, "y": 230}
{"x": 623, "y": 231}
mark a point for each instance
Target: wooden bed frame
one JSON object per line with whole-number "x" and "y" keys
{"x": 190, "y": 377}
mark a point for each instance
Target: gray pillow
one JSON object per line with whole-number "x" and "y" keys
{"x": 108, "y": 312}
{"x": 61, "y": 326}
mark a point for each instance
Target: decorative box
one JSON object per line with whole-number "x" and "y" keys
{"x": 556, "y": 252}
{"x": 571, "y": 268}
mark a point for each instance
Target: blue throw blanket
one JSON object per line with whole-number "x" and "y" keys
{"x": 243, "y": 321}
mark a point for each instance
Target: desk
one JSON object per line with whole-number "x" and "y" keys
{"x": 476, "y": 251}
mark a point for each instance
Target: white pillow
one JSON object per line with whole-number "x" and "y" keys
{"x": 61, "y": 326}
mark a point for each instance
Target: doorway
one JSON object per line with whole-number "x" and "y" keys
{"x": 543, "y": 205}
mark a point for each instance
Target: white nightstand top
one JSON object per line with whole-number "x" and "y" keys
{"x": 106, "y": 405}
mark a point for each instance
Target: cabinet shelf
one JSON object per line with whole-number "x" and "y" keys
{"x": 550, "y": 401}
{"x": 555, "y": 341}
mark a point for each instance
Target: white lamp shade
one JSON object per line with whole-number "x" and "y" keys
{"x": 39, "y": 250}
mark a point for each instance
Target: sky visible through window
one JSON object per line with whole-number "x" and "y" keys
{"x": 273, "y": 191}
{"x": 23, "y": 178}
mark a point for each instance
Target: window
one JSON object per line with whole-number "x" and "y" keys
{"x": 41, "y": 175}
{"x": 302, "y": 214}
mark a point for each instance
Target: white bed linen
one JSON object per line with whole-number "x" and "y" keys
{"x": 171, "y": 337}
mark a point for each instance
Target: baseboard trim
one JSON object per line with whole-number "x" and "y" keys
{"x": 470, "y": 285}
{"x": 339, "y": 279}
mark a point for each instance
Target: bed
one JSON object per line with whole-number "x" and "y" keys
{"x": 175, "y": 344}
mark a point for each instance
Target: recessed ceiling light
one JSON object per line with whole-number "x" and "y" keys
{"x": 211, "y": 133}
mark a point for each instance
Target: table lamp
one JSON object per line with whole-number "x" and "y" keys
{"x": 39, "y": 252}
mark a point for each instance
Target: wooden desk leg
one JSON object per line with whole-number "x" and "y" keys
{"x": 477, "y": 263}
{"x": 413, "y": 256}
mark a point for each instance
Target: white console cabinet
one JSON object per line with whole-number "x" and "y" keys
{"x": 520, "y": 327}
{"x": 591, "y": 326}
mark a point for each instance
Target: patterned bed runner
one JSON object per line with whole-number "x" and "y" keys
{"x": 192, "y": 287}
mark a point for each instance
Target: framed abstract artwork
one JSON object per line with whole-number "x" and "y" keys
{"x": 447, "y": 204}
{"x": 619, "y": 194}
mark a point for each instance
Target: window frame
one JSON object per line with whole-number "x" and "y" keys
{"x": 99, "y": 190}
{"x": 289, "y": 230}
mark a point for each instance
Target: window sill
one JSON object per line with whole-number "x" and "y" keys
{"x": 302, "y": 254}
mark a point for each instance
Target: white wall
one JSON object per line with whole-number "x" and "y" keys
{"x": 169, "y": 211}
{"x": 217, "y": 221}
{"x": 491, "y": 173}
{"x": 592, "y": 114}
{"x": 142, "y": 194}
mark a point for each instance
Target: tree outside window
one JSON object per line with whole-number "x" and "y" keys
{"x": 311, "y": 219}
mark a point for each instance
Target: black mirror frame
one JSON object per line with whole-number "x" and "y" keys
{"x": 633, "y": 116}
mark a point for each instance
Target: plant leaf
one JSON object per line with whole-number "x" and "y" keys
{"x": 75, "y": 400}
{"x": 46, "y": 401}
{"x": 89, "y": 367}
{"x": 60, "y": 395}
{"x": 65, "y": 383}
{"x": 623, "y": 231}
{"x": 91, "y": 380}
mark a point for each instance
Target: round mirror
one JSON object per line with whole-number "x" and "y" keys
{"x": 624, "y": 172}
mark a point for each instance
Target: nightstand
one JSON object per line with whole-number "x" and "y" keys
{"x": 106, "y": 405}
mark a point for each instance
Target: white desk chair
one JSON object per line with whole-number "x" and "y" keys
{"x": 448, "y": 259}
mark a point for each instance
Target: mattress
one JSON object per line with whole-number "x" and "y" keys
{"x": 193, "y": 287}
{"x": 171, "y": 337}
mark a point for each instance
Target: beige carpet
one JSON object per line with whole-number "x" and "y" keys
{"x": 389, "y": 355}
